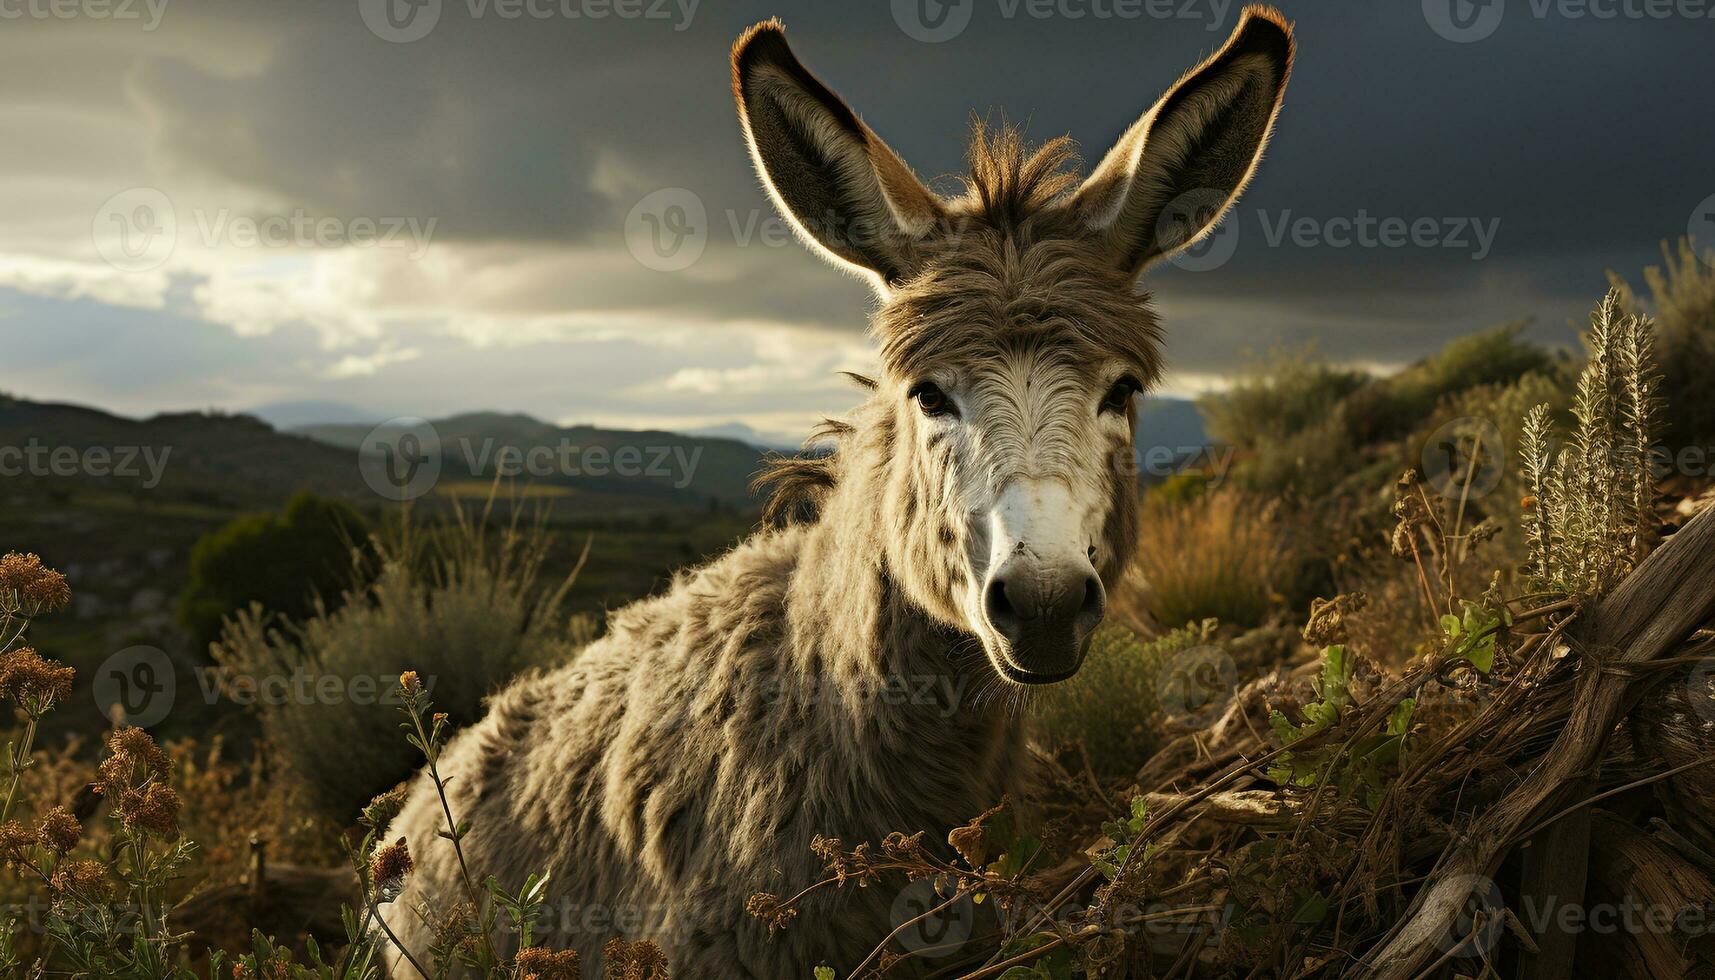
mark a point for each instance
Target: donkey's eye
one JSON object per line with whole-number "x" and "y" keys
{"x": 931, "y": 399}
{"x": 1120, "y": 394}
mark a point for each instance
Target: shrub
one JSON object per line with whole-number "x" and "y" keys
{"x": 1593, "y": 513}
{"x": 1393, "y": 406}
{"x": 467, "y": 613}
{"x": 1682, "y": 290}
{"x": 1223, "y": 555}
{"x": 1504, "y": 406}
{"x": 1286, "y": 395}
{"x": 1110, "y": 706}
{"x": 280, "y": 561}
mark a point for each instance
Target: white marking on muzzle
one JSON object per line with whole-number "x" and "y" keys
{"x": 1039, "y": 521}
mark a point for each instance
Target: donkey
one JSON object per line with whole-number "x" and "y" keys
{"x": 856, "y": 667}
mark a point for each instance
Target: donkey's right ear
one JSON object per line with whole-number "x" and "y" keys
{"x": 1172, "y": 175}
{"x": 843, "y": 190}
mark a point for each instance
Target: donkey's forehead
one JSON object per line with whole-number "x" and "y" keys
{"x": 988, "y": 297}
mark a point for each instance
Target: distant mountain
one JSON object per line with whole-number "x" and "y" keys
{"x": 295, "y": 414}
{"x": 195, "y": 457}
{"x": 1169, "y": 431}
{"x": 1170, "y": 422}
{"x": 241, "y": 462}
{"x": 778, "y": 441}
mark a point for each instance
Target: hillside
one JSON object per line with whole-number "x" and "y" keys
{"x": 648, "y": 467}
{"x": 120, "y": 502}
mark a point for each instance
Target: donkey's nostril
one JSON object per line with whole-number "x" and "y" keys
{"x": 1093, "y": 598}
{"x": 1000, "y": 610}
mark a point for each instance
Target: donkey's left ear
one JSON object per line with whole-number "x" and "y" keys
{"x": 846, "y": 193}
{"x": 1177, "y": 170}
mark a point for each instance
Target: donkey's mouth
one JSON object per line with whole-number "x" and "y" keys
{"x": 1018, "y": 676}
{"x": 1023, "y": 675}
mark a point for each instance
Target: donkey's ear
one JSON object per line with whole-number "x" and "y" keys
{"x": 845, "y": 192}
{"x": 1174, "y": 173}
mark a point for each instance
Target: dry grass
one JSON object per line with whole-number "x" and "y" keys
{"x": 469, "y": 608}
{"x": 1223, "y": 555}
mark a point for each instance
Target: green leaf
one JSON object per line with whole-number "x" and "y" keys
{"x": 1399, "y": 719}
{"x": 824, "y": 973}
{"x": 1334, "y": 676}
{"x": 1312, "y": 910}
{"x": 1450, "y": 626}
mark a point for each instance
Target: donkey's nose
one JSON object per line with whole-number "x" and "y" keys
{"x": 1046, "y": 615}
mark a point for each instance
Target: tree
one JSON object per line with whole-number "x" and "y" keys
{"x": 283, "y": 561}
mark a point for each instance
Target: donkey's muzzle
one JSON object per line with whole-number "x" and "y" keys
{"x": 1046, "y": 615}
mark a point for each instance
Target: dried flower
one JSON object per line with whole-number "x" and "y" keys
{"x": 36, "y": 588}
{"x": 87, "y": 879}
{"x": 134, "y": 759}
{"x": 411, "y": 683}
{"x": 1412, "y": 512}
{"x": 899, "y": 847}
{"x": 536, "y": 963}
{"x": 14, "y": 837}
{"x": 1327, "y": 623}
{"x": 642, "y": 960}
{"x": 390, "y": 865}
{"x": 381, "y": 810}
{"x": 768, "y": 907}
{"x": 153, "y": 808}
{"x": 30, "y": 681}
{"x": 59, "y": 831}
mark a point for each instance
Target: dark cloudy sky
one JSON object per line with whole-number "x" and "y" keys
{"x": 193, "y": 192}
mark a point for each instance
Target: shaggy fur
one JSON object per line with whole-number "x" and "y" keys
{"x": 832, "y": 675}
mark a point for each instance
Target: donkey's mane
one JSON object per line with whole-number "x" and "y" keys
{"x": 1010, "y": 183}
{"x": 797, "y": 485}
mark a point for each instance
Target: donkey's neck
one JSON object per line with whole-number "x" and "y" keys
{"x": 909, "y": 702}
